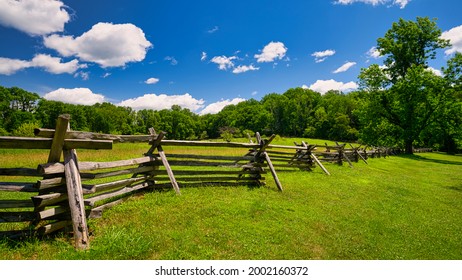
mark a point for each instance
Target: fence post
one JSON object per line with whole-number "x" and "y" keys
{"x": 73, "y": 182}
{"x": 76, "y": 202}
{"x": 262, "y": 151}
{"x": 57, "y": 145}
{"x": 316, "y": 159}
{"x": 156, "y": 145}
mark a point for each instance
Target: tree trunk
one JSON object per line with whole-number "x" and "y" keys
{"x": 408, "y": 147}
{"x": 449, "y": 145}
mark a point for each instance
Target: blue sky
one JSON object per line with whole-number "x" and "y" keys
{"x": 201, "y": 55}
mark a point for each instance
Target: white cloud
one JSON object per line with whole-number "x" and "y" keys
{"x": 322, "y": 55}
{"x": 345, "y": 67}
{"x": 203, "y": 56}
{"x": 81, "y": 96}
{"x": 34, "y": 17}
{"x": 271, "y": 52}
{"x": 224, "y": 62}
{"x": 324, "y": 86}
{"x": 401, "y": 3}
{"x": 10, "y": 66}
{"x": 163, "y": 101}
{"x": 219, "y": 105}
{"x": 54, "y": 64}
{"x": 373, "y": 52}
{"x": 455, "y": 37}
{"x": 151, "y": 81}
{"x": 107, "y": 44}
{"x": 50, "y": 64}
{"x": 245, "y": 68}
{"x": 172, "y": 60}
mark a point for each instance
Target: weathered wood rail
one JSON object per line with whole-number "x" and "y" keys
{"x": 307, "y": 157}
{"x": 303, "y": 158}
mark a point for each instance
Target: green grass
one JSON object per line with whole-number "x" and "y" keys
{"x": 401, "y": 207}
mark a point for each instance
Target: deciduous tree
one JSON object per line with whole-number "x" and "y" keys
{"x": 404, "y": 93}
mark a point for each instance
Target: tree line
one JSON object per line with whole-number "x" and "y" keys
{"x": 297, "y": 112}
{"x": 400, "y": 104}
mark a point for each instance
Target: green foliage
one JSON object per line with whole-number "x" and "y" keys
{"x": 203, "y": 135}
{"x": 227, "y": 136}
{"x": 410, "y": 43}
{"x": 17, "y": 106}
{"x": 248, "y": 133}
{"x": 404, "y": 99}
{"x": 26, "y": 129}
{"x": 228, "y": 133}
{"x": 3, "y": 132}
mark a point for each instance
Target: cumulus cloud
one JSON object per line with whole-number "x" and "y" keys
{"x": 48, "y": 63}
{"x": 54, "y": 64}
{"x": 401, "y": 3}
{"x": 454, "y": 35}
{"x": 10, "y": 66}
{"x": 163, "y": 101}
{"x": 245, "y": 68}
{"x": 224, "y": 62}
{"x": 324, "y": 86}
{"x": 107, "y": 44}
{"x": 219, "y": 105}
{"x": 271, "y": 52}
{"x": 34, "y": 17}
{"x": 320, "y": 56}
{"x": 345, "y": 67}
{"x": 80, "y": 96}
{"x": 151, "y": 81}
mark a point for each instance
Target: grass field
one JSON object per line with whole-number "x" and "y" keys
{"x": 400, "y": 207}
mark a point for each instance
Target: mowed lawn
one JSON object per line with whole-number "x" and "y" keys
{"x": 400, "y": 207}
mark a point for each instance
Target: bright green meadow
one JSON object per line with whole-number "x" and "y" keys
{"x": 399, "y": 207}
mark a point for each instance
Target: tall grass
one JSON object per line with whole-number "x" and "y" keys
{"x": 401, "y": 207}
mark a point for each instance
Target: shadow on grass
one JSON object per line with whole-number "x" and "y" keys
{"x": 456, "y": 188}
{"x": 442, "y": 161}
{"x": 167, "y": 187}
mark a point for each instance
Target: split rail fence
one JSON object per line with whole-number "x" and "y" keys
{"x": 62, "y": 195}
{"x": 68, "y": 192}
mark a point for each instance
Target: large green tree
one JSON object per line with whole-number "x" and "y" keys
{"x": 405, "y": 95}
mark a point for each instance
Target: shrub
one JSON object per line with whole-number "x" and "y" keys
{"x": 227, "y": 136}
{"x": 26, "y": 129}
{"x": 3, "y": 132}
